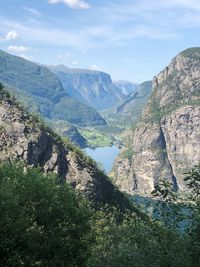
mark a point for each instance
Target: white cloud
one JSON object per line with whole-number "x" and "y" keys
{"x": 12, "y": 35}
{"x": 74, "y": 62}
{"x": 50, "y": 35}
{"x": 18, "y": 49}
{"x": 32, "y": 11}
{"x": 79, "y": 4}
{"x": 63, "y": 56}
{"x": 94, "y": 67}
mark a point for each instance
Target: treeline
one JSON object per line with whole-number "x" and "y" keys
{"x": 44, "y": 223}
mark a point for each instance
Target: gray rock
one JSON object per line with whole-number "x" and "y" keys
{"x": 166, "y": 141}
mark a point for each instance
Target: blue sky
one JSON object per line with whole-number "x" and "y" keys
{"x": 131, "y": 40}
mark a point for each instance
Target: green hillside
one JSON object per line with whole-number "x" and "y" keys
{"x": 41, "y": 91}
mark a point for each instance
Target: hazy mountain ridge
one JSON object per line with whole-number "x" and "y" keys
{"x": 129, "y": 110}
{"x": 30, "y": 80}
{"x": 94, "y": 88}
{"x": 126, "y": 87}
{"x": 166, "y": 141}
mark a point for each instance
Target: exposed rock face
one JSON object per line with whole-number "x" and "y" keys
{"x": 23, "y": 138}
{"x": 166, "y": 141}
{"x": 95, "y": 88}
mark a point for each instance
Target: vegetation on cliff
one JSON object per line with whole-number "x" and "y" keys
{"x": 45, "y": 223}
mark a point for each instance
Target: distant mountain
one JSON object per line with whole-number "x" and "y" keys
{"x": 135, "y": 101}
{"x": 94, "y": 88}
{"x": 129, "y": 110}
{"x": 165, "y": 143}
{"x": 126, "y": 87}
{"x": 41, "y": 91}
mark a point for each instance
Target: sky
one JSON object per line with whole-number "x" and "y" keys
{"x": 131, "y": 40}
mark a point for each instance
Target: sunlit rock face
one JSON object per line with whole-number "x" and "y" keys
{"x": 24, "y": 138}
{"x": 166, "y": 141}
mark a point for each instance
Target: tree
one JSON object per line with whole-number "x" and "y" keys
{"x": 193, "y": 182}
{"x": 42, "y": 223}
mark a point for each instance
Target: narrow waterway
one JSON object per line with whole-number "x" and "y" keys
{"x": 104, "y": 156}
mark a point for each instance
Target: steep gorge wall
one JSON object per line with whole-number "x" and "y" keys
{"x": 166, "y": 141}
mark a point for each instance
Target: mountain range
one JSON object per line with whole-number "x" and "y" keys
{"x": 42, "y": 92}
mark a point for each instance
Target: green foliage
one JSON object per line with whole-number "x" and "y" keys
{"x": 190, "y": 212}
{"x": 157, "y": 112}
{"x": 193, "y": 53}
{"x": 193, "y": 181}
{"x": 134, "y": 242}
{"x": 164, "y": 190}
{"x": 71, "y": 110}
{"x": 42, "y": 223}
{"x": 95, "y": 138}
{"x": 128, "y": 153}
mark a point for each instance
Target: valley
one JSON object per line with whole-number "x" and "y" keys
{"x": 71, "y": 110}
{"x": 115, "y": 181}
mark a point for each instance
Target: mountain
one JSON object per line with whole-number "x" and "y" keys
{"x": 166, "y": 140}
{"x": 126, "y": 87}
{"x": 68, "y": 130}
{"x": 42, "y": 92}
{"x": 94, "y": 88}
{"x": 137, "y": 99}
{"x": 23, "y": 138}
{"x": 130, "y": 109}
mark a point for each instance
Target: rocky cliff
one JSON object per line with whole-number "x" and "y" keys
{"x": 95, "y": 88}
{"x": 24, "y": 138}
{"x": 166, "y": 141}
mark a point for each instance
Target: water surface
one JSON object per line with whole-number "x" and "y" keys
{"x": 104, "y": 156}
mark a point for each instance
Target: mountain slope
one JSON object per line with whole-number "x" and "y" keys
{"x": 131, "y": 108}
{"x": 24, "y": 138}
{"x": 126, "y": 87}
{"x": 166, "y": 141}
{"x": 94, "y": 88}
{"x": 28, "y": 80}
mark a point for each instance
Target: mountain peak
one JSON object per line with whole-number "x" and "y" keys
{"x": 193, "y": 52}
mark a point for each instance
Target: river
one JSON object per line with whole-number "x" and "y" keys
{"x": 104, "y": 156}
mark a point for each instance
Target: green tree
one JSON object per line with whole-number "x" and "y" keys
{"x": 134, "y": 242}
{"x": 193, "y": 182}
{"x": 42, "y": 223}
